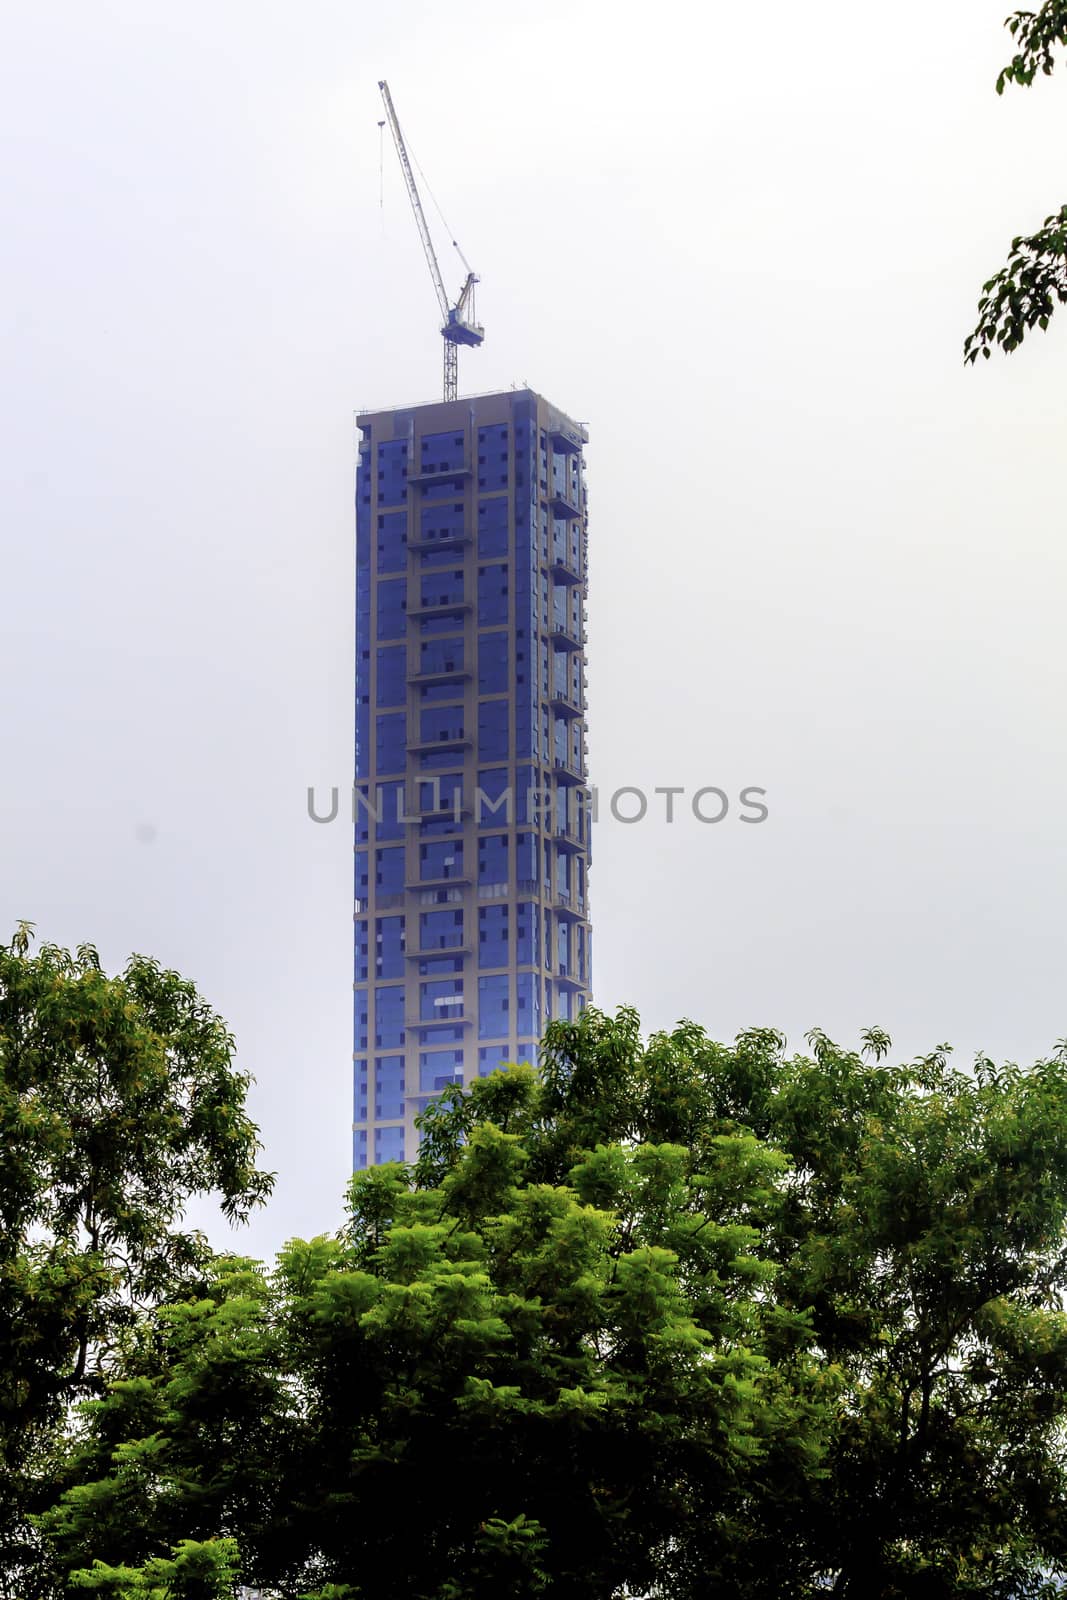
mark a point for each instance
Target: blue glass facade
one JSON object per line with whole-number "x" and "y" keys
{"x": 472, "y": 817}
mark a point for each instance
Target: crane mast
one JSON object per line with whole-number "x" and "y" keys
{"x": 458, "y": 326}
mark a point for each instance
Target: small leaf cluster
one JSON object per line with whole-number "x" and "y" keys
{"x": 1037, "y": 34}
{"x": 1025, "y": 293}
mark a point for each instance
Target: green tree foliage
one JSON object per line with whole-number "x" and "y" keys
{"x": 669, "y": 1318}
{"x": 118, "y": 1101}
{"x": 1024, "y": 294}
{"x": 193, "y": 1571}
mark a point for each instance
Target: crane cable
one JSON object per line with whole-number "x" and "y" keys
{"x": 437, "y": 208}
{"x": 381, "y": 165}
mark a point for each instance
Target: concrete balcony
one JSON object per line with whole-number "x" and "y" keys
{"x": 433, "y": 473}
{"x": 563, "y": 634}
{"x": 564, "y": 572}
{"x": 566, "y": 773}
{"x": 564, "y": 706}
{"x": 448, "y": 541}
{"x": 441, "y": 608}
{"x": 561, "y": 504}
{"x": 456, "y": 741}
{"x": 568, "y": 437}
{"x": 457, "y": 880}
{"x": 438, "y": 951}
{"x": 455, "y": 675}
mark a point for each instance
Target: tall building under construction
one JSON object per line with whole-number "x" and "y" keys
{"x": 472, "y": 818}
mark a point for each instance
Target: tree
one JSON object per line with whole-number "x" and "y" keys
{"x": 666, "y": 1318}
{"x": 1025, "y": 293}
{"x": 118, "y": 1102}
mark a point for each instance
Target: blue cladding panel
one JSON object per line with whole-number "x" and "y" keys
{"x": 493, "y": 1006}
{"x": 392, "y": 675}
{"x": 443, "y": 622}
{"x": 431, "y": 693}
{"x": 441, "y": 858}
{"x": 562, "y": 947}
{"x": 392, "y": 608}
{"x": 526, "y": 857}
{"x": 440, "y": 963}
{"x": 440, "y": 803}
{"x": 363, "y": 488}
{"x": 440, "y": 522}
{"x": 493, "y": 936}
{"x": 390, "y": 743}
{"x": 493, "y": 858}
{"x": 437, "y": 827}
{"x": 362, "y": 950}
{"x": 392, "y": 472}
{"x": 493, "y": 730}
{"x": 440, "y": 997}
{"x": 389, "y": 869}
{"x": 493, "y": 663}
{"x": 359, "y": 1150}
{"x": 389, "y": 809}
{"x": 492, "y": 594}
{"x": 389, "y": 1087}
{"x": 441, "y": 655}
{"x": 441, "y": 587}
{"x": 439, "y": 1035}
{"x": 495, "y": 806}
{"x": 389, "y": 948}
{"x": 440, "y": 451}
{"x": 493, "y": 457}
{"x": 359, "y": 1103}
{"x": 440, "y": 929}
{"x": 364, "y": 807}
{"x": 389, "y": 1017}
{"x": 493, "y": 526}
{"x": 388, "y": 1145}
{"x": 440, "y": 723}
{"x": 491, "y": 1058}
{"x": 438, "y": 1069}
{"x": 393, "y": 541}
{"x": 526, "y": 940}
{"x": 530, "y": 796}
{"x": 363, "y": 734}
{"x": 529, "y": 1003}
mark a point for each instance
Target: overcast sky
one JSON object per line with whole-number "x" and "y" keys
{"x": 743, "y": 245}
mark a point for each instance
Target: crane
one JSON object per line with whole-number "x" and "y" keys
{"x": 458, "y": 326}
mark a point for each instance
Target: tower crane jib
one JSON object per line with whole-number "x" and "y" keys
{"x": 457, "y": 327}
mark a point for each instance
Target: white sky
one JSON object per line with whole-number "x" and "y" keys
{"x": 744, "y": 246}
